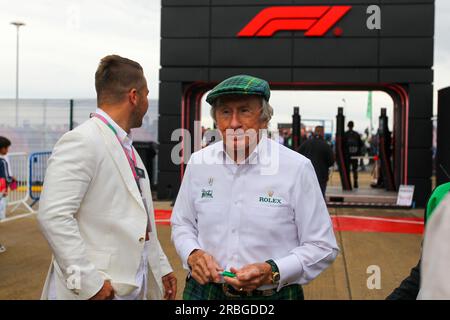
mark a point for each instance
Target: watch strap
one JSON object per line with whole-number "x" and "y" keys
{"x": 275, "y": 271}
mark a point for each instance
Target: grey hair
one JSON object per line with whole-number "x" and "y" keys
{"x": 266, "y": 110}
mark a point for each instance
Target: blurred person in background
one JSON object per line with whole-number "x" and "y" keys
{"x": 353, "y": 146}
{"x": 5, "y": 179}
{"x": 410, "y": 286}
{"x": 435, "y": 263}
{"x": 321, "y": 155}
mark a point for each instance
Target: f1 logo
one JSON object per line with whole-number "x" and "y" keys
{"x": 314, "y": 20}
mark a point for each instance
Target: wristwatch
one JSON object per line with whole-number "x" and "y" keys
{"x": 275, "y": 272}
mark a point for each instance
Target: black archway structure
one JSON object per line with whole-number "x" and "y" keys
{"x": 200, "y": 48}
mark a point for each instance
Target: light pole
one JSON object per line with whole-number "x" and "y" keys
{"x": 18, "y": 24}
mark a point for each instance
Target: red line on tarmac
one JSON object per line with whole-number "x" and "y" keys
{"x": 163, "y": 214}
{"x": 348, "y": 223}
{"x": 378, "y": 224}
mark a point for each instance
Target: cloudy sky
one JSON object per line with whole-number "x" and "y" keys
{"x": 64, "y": 40}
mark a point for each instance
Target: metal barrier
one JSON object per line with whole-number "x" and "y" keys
{"x": 38, "y": 167}
{"x": 19, "y": 170}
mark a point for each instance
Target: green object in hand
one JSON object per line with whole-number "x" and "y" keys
{"x": 228, "y": 274}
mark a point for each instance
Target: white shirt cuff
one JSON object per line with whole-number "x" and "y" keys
{"x": 186, "y": 249}
{"x": 290, "y": 269}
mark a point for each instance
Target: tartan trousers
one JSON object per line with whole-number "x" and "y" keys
{"x": 213, "y": 291}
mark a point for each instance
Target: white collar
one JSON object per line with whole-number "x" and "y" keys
{"x": 255, "y": 156}
{"x": 125, "y": 138}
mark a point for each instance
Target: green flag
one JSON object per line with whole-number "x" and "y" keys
{"x": 369, "y": 106}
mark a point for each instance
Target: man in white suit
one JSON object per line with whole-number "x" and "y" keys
{"x": 96, "y": 209}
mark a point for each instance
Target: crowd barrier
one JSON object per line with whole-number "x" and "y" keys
{"x": 38, "y": 167}
{"x": 19, "y": 170}
{"x": 29, "y": 172}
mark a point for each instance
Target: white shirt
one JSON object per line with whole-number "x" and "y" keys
{"x": 125, "y": 138}
{"x": 269, "y": 208}
{"x": 140, "y": 292}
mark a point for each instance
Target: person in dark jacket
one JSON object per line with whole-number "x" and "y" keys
{"x": 321, "y": 155}
{"x": 409, "y": 287}
{"x": 353, "y": 148}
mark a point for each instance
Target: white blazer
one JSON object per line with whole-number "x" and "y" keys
{"x": 93, "y": 217}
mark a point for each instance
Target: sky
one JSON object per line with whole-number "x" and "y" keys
{"x": 63, "y": 41}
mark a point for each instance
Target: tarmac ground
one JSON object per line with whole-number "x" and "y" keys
{"x": 23, "y": 267}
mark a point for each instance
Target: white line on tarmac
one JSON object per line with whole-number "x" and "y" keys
{"x": 30, "y": 214}
{"x": 381, "y": 219}
{"x": 20, "y": 216}
{"x": 162, "y": 220}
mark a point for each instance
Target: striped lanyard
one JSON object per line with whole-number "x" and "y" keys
{"x": 131, "y": 159}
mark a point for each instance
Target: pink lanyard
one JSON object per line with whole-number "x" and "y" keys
{"x": 132, "y": 163}
{"x": 132, "y": 159}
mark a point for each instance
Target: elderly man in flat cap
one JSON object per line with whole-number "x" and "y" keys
{"x": 250, "y": 221}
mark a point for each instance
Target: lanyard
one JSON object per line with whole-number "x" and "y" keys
{"x": 132, "y": 163}
{"x": 132, "y": 159}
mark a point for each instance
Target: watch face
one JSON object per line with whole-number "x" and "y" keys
{"x": 276, "y": 276}
{"x": 275, "y": 273}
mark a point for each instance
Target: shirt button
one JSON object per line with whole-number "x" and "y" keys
{"x": 141, "y": 239}
{"x": 233, "y": 231}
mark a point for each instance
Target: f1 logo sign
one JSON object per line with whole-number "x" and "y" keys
{"x": 314, "y": 20}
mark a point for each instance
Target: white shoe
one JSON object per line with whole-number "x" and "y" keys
{"x": 2, "y": 248}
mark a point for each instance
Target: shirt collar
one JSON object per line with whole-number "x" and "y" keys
{"x": 254, "y": 158}
{"x": 125, "y": 138}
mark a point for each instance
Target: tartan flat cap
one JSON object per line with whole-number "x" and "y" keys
{"x": 241, "y": 84}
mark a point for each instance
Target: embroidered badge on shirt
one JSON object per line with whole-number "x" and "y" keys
{"x": 207, "y": 194}
{"x": 270, "y": 198}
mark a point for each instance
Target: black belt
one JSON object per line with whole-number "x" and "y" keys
{"x": 231, "y": 292}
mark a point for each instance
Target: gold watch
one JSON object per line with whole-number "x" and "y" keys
{"x": 275, "y": 272}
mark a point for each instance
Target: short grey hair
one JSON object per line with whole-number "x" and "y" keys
{"x": 266, "y": 110}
